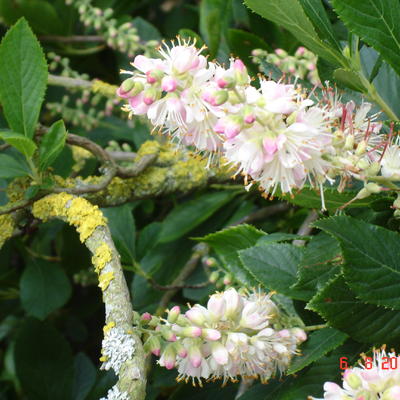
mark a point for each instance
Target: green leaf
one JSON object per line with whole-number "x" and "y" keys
{"x": 349, "y": 79}
{"x": 366, "y": 323}
{"x": 316, "y": 267}
{"x": 145, "y": 30}
{"x": 318, "y": 344}
{"x": 52, "y": 144}
{"x": 280, "y": 237}
{"x": 188, "y": 34}
{"x": 372, "y": 263}
{"x": 214, "y": 15}
{"x": 23, "y": 144}
{"x": 242, "y": 43}
{"x": 84, "y": 376}
{"x": 122, "y": 227}
{"x": 318, "y": 16}
{"x": 274, "y": 266}
{"x": 310, "y": 198}
{"x": 228, "y": 242}
{"x": 186, "y": 216}
{"x": 44, "y": 288}
{"x": 290, "y": 15}
{"x": 376, "y": 22}
{"x": 12, "y": 168}
{"x": 43, "y": 361}
{"x": 23, "y": 78}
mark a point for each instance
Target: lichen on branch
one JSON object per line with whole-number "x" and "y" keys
{"x": 122, "y": 349}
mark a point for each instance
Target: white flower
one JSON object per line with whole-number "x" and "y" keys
{"x": 230, "y": 338}
{"x": 117, "y": 347}
{"x": 391, "y": 162}
{"x": 115, "y": 394}
{"x": 371, "y": 380}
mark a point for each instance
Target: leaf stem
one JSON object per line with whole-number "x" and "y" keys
{"x": 315, "y": 327}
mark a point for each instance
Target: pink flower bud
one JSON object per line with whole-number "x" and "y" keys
{"x": 211, "y": 334}
{"x": 191, "y": 331}
{"x": 232, "y": 129}
{"x": 284, "y": 333}
{"x": 227, "y": 279}
{"x": 154, "y": 75}
{"x": 300, "y": 51}
{"x": 227, "y": 81}
{"x": 153, "y": 345}
{"x": 145, "y": 317}
{"x": 219, "y": 353}
{"x": 216, "y": 306}
{"x": 150, "y": 96}
{"x": 180, "y": 350}
{"x": 238, "y": 65}
{"x": 168, "y": 84}
{"x": 168, "y": 334}
{"x": 168, "y": 357}
{"x": 195, "y": 356}
{"x": 281, "y": 52}
{"x": 173, "y": 314}
{"x": 249, "y": 118}
{"x": 299, "y": 334}
{"x": 196, "y": 315}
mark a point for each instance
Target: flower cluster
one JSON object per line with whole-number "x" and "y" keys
{"x": 368, "y": 381}
{"x": 275, "y": 135}
{"x": 235, "y": 335}
{"x": 302, "y": 64}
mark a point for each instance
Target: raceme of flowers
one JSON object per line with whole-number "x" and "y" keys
{"x": 274, "y": 134}
{"x": 371, "y": 380}
{"x": 235, "y": 335}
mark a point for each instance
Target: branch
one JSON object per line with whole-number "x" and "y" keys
{"x": 200, "y": 250}
{"x": 127, "y": 361}
{"x": 176, "y": 287}
{"x": 72, "y": 39}
{"x": 306, "y": 228}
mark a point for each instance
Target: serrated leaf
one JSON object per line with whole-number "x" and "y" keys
{"x": 316, "y": 267}
{"x": 52, "y": 144}
{"x": 290, "y": 14}
{"x": 122, "y": 227}
{"x": 44, "y": 288}
{"x": 11, "y": 167}
{"x": 23, "y": 78}
{"x": 310, "y": 198}
{"x": 186, "y": 216}
{"x": 376, "y": 22}
{"x": 23, "y": 144}
{"x": 366, "y": 323}
{"x": 43, "y": 361}
{"x": 317, "y": 345}
{"x": 228, "y": 242}
{"x": 318, "y": 16}
{"x": 274, "y": 266}
{"x": 372, "y": 263}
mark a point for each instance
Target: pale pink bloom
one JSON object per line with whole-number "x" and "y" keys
{"x": 278, "y": 97}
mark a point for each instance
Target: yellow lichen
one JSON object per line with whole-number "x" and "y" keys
{"x": 101, "y": 257}
{"x": 80, "y": 155}
{"x": 149, "y": 147}
{"x": 78, "y": 212}
{"x": 7, "y": 225}
{"x": 108, "y": 327}
{"x": 103, "y": 358}
{"x": 105, "y": 279}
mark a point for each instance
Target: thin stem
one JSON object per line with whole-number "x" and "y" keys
{"x": 84, "y": 52}
{"x": 72, "y": 39}
{"x": 314, "y": 327}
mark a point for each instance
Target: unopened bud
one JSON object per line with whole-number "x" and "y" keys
{"x": 349, "y": 142}
{"x": 214, "y": 276}
{"x": 154, "y": 321}
{"x": 150, "y": 96}
{"x": 173, "y": 314}
{"x": 241, "y": 74}
{"x": 226, "y": 81}
{"x": 136, "y": 89}
{"x": 210, "y": 262}
{"x": 361, "y": 148}
{"x": 196, "y": 316}
{"x": 373, "y": 187}
{"x": 352, "y": 379}
{"x": 195, "y": 356}
{"x": 169, "y": 84}
{"x": 168, "y": 335}
{"x": 299, "y": 334}
{"x": 127, "y": 85}
{"x": 152, "y": 345}
{"x": 180, "y": 350}
{"x": 281, "y": 53}
{"x": 374, "y": 169}
{"x": 227, "y": 279}
{"x": 146, "y": 317}
{"x": 191, "y": 332}
{"x": 363, "y": 193}
{"x": 153, "y": 76}
{"x": 168, "y": 357}
{"x": 211, "y": 334}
